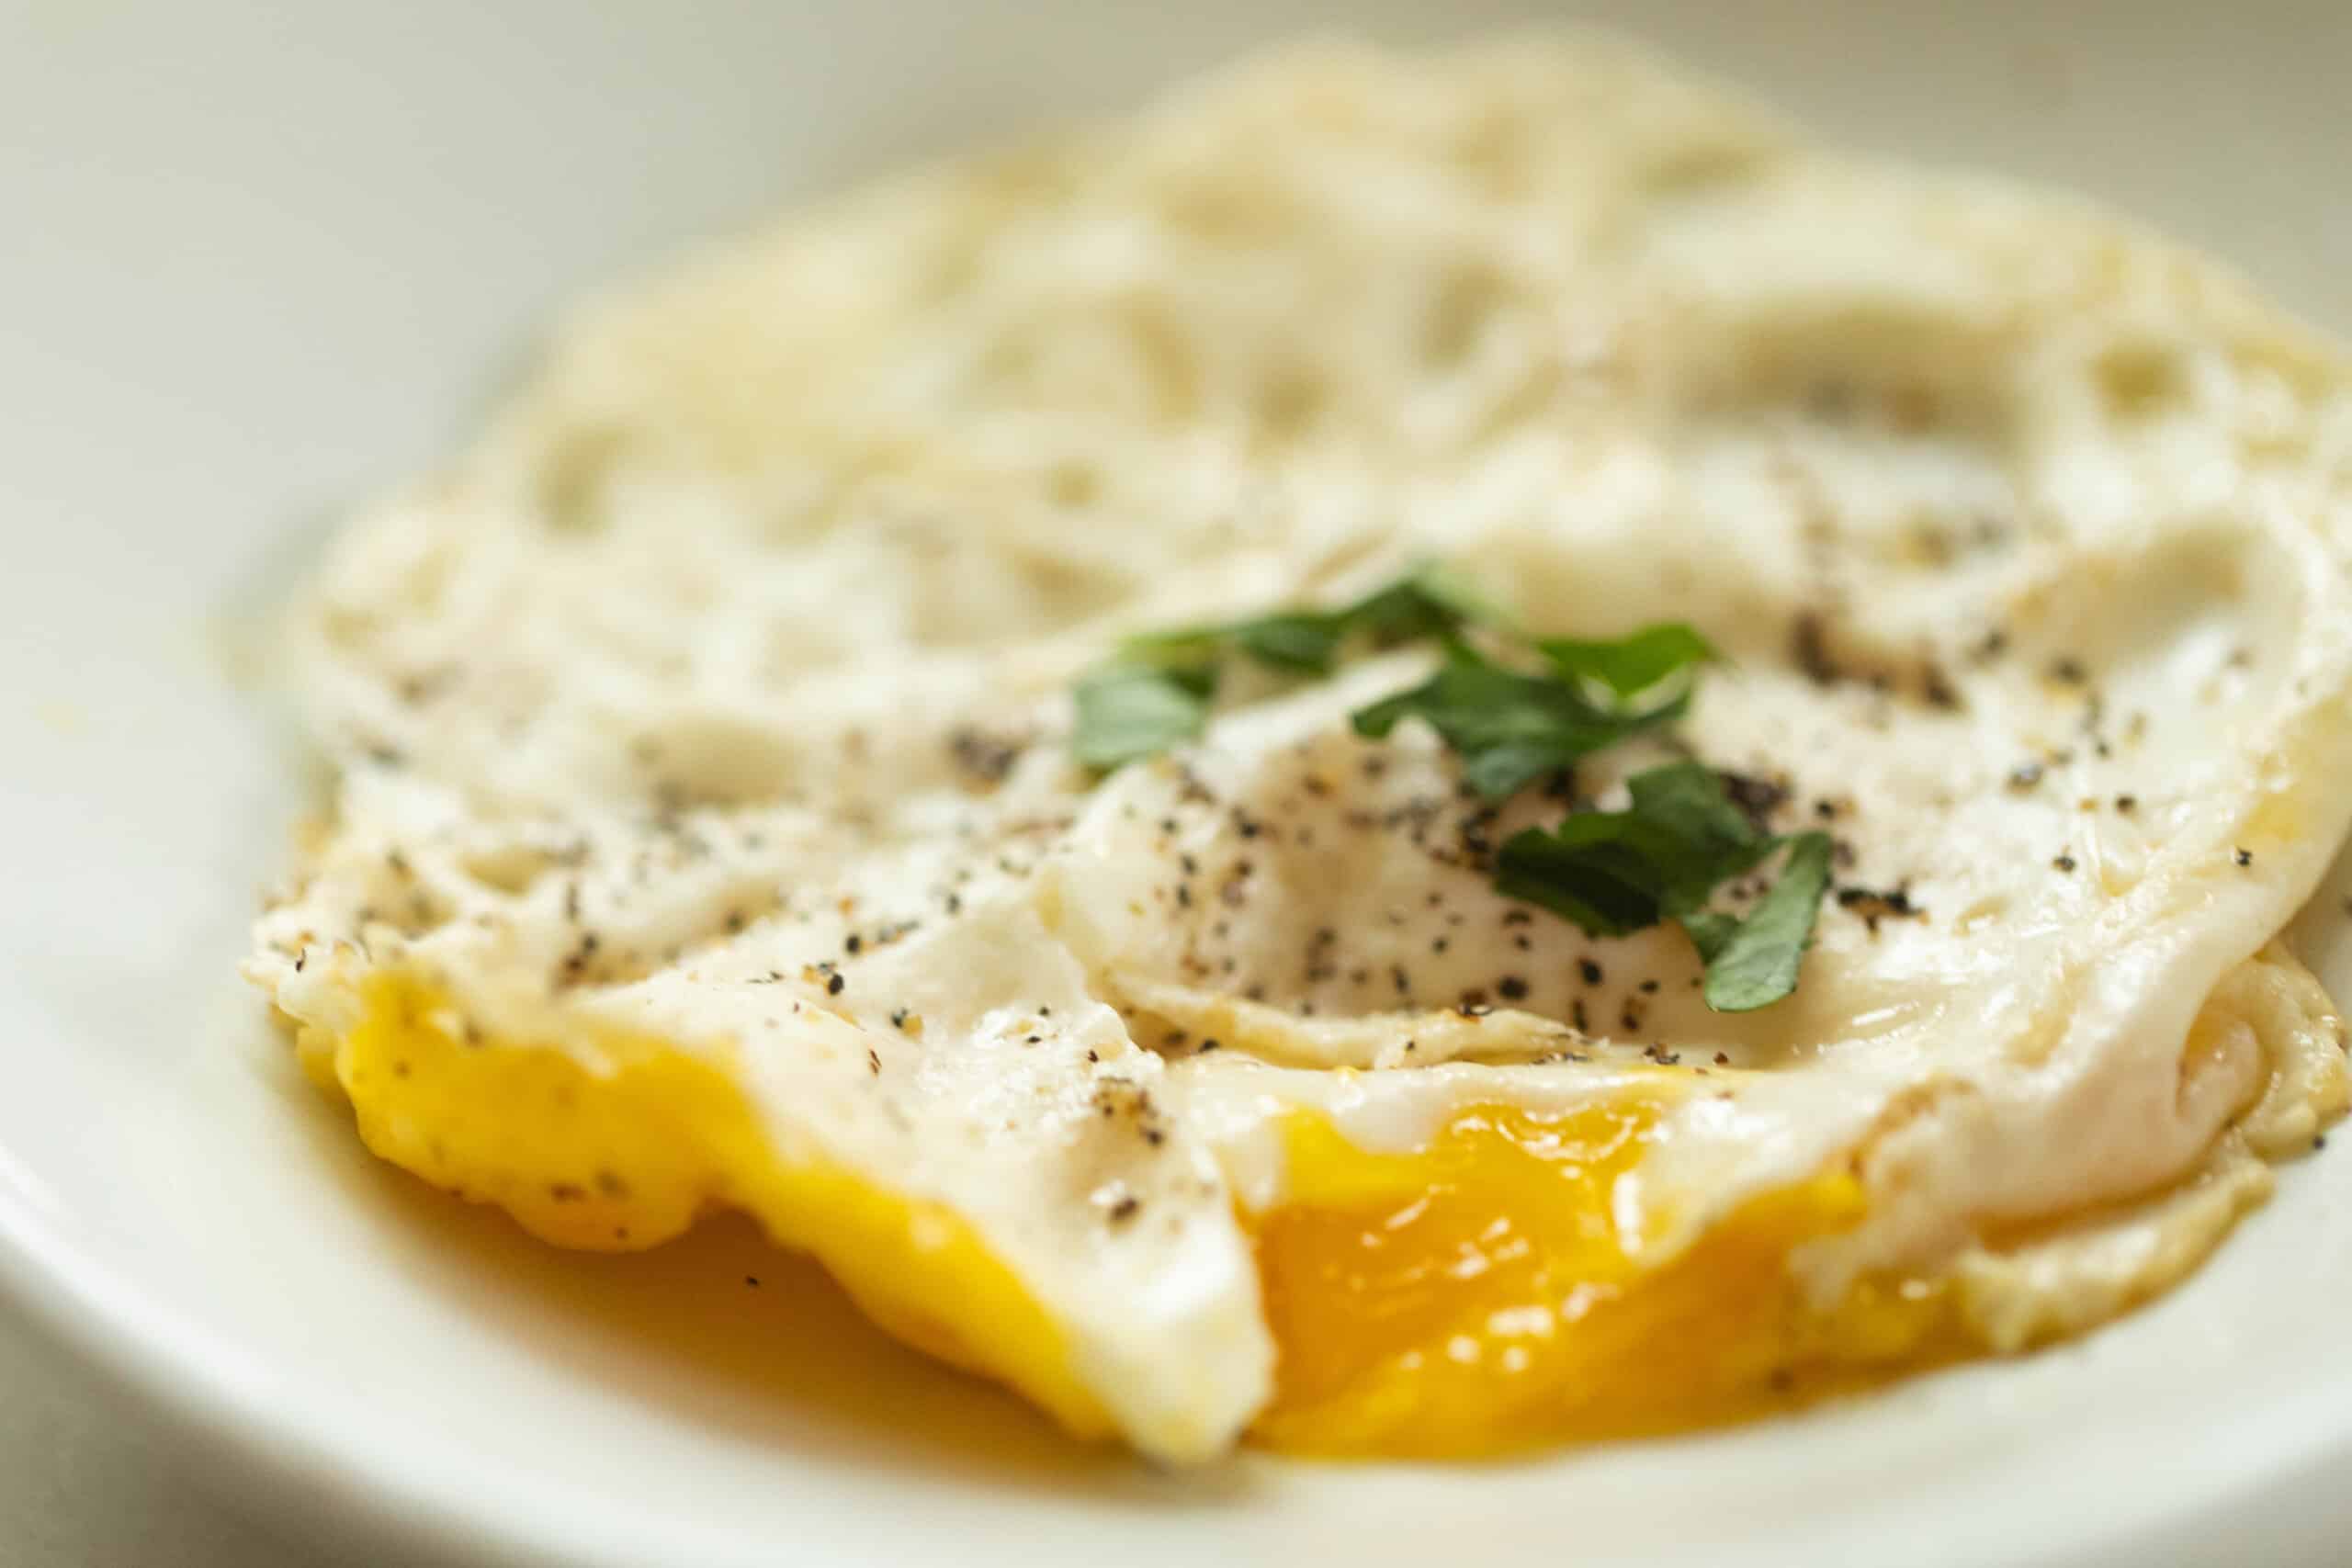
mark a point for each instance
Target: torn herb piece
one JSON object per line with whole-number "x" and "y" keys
{"x": 1680, "y": 838}
{"x": 1511, "y": 728}
{"x": 1661, "y": 856}
{"x": 1634, "y": 664}
{"x": 1307, "y": 642}
{"x": 1130, "y": 711}
{"x": 1599, "y": 869}
{"x": 1752, "y": 960}
{"x": 1304, "y": 643}
{"x": 1431, "y": 601}
{"x": 1156, "y": 694}
{"x": 1296, "y": 642}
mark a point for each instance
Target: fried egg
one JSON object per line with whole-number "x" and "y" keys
{"x": 707, "y": 834}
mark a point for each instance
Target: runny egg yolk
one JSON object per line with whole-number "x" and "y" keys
{"x": 626, "y": 1159}
{"x": 1482, "y": 1293}
{"x": 1476, "y": 1295}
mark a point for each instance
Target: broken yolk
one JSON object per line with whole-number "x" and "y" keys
{"x": 626, "y": 1159}
{"x": 1482, "y": 1293}
{"x": 1479, "y": 1294}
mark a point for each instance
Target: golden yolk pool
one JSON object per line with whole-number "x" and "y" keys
{"x": 1472, "y": 1296}
{"x": 1478, "y": 1295}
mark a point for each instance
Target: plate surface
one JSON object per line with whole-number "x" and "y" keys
{"x": 256, "y": 264}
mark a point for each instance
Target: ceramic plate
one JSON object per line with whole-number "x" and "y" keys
{"x": 257, "y": 260}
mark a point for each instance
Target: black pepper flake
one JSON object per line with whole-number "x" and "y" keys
{"x": 2068, "y": 671}
{"x": 1872, "y": 902}
{"x": 1589, "y": 971}
{"x": 1125, "y": 1209}
{"x": 986, "y": 757}
{"x": 1210, "y": 1045}
{"x": 1512, "y": 988}
{"x": 853, "y": 944}
{"x": 2127, "y": 804}
{"x": 753, "y": 1280}
{"x": 1809, "y": 645}
{"x": 1937, "y": 687}
{"x": 1723, "y": 1059}
{"x": 2243, "y": 857}
{"x": 1757, "y": 798}
{"x": 835, "y": 985}
{"x": 873, "y": 1061}
{"x": 2063, "y": 862}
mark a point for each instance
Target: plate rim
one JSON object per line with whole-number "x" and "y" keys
{"x": 253, "y": 1434}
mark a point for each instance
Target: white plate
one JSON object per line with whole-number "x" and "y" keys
{"x": 252, "y": 263}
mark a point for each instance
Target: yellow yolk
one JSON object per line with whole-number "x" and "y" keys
{"x": 627, "y": 1158}
{"x": 1472, "y": 1296}
{"x": 1480, "y": 1295}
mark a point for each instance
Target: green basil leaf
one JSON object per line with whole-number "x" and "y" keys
{"x": 1661, "y": 858}
{"x": 1752, "y": 960}
{"x": 1634, "y": 664}
{"x": 1511, "y": 728}
{"x": 1126, "y": 711}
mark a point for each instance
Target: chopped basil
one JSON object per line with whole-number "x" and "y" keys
{"x": 1511, "y": 728}
{"x": 1662, "y": 858}
{"x": 1154, "y": 695}
{"x": 1752, "y": 960}
{"x": 1126, "y": 711}
{"x": 1307, "y": 642}
{"x": 1635, "y": 664}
